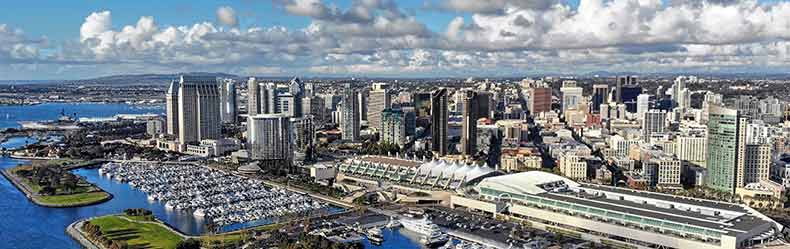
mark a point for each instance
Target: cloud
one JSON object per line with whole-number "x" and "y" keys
{"x": 377, "y": 37}
{"x": 227, "y": 16}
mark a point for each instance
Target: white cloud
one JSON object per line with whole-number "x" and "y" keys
{"x": 227, "y": 16}
{"x": 376, "y": 37}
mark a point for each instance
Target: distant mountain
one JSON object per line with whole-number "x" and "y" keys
{"x": 141, "y": 79}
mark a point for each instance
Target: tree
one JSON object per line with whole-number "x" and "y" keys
{"x": 188, "y": 244}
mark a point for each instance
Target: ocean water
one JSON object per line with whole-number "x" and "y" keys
{"x": 11, "y": 115}
{"x": 25, "y": 225}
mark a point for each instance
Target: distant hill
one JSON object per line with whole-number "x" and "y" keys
{"x": 141, "y": 79}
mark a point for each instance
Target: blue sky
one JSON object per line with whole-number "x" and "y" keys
{"x": 417, "y": 37}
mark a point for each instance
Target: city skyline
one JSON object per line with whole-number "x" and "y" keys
{"x": 382, "y": 38}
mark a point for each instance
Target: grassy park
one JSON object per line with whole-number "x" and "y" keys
{"x": 135, "y": 232}
{"x": 55, "y": 187}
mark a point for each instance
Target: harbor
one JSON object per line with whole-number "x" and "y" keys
{"x": 220, "y": 198}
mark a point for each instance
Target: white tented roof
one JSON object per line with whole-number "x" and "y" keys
{"x": 525, "y": 182}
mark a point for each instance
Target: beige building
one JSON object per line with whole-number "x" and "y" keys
{"x": 573, "y": 167}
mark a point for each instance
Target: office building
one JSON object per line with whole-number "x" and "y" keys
{"x": 600, "y": 96}
{"x": 379, "y": 100}
{"x": 227, "y": 95}
{"x": 642, "y": 105}
{"x": 654, "y": 121}
{"x": 726, "y": 149}
{"x": 393, "y": 127}
{"x": 757, "y": 163}
{"x": 198, "y": 109}
{"x": 350, "y": 120}
{"x": 171, "y": 99}
{"x": 270, "y": 138}
{"x": 439, "y": 122}
{"x": 422, "y": 104}
{"x": 469, "y": 101}
{"x": 287, "y": 104}
{"x": 692, "y": 148}
{"x": 314, "y": 105}
{"x": 571, "y": 97}
{"x": 539, "y": 100}
{"x": 620, "y": 83}
{"x": 303, "y": 133}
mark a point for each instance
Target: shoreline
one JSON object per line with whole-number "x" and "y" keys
{"x": 30, "y": 196}
{"x": 74, "y": 230}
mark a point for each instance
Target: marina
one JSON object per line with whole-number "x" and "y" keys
{"x": 219, "y": 197}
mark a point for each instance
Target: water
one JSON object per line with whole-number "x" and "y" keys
{"x": 25, "y": 225}
{"x": 11, "y": 115}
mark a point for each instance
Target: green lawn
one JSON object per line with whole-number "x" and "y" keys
{"x": 73, "y": 199}
{"x": 136, "y": 234}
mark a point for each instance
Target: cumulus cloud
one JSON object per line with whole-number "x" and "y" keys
{"x": 377, "y": 37}
{"x": 227, "y": 16}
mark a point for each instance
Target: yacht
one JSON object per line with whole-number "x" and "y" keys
{"x": 375, "y": 236}
{"x": 431, "y": 233}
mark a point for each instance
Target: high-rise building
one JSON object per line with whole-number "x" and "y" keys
{"x": 379, "y": 100}
{"x": 484, "y": 105}
{"x": 362, "y": 105}
{"x": 270, "y": 138}
{"x": 303, "y": 132}
{"x": 622, "y": 81}
{"x": 314, "y": 105}
{"x": 286, "y": 104}
{"x": 269, "y": 98}
{"x": 439, "y": 119}
{"x": 692, "y": 148}
{"x": 172, "y": 108}
{"x": 629, "y": 95}
{"x": 393, "y": 127}
{"x": 349, "y": 125}
{"x": 469, "y": 124}
{"x": 422, "y": 104}
{"x": 410, "y": 118}
{"x": 757, "y": 164}
{"x": 726, "y": 148}
{"x": 642, "y": 105}
{"x": 600, "y": 96}
{"x": 654, "y": 121}
{"x": 227, "y": 95}
{"x": 539, "y": 100}
{"x": 571, "y": 97}
{"x": 198, "y": 109}
{"x": 253, "y": 97}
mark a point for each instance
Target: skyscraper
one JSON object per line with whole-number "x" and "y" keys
{"x": 393, "y": 126}
{"x": 726, "y": 148}
{"x": 198, "y": 109}
{"x": 654, "y": 122}
{"x": 378, "y": 101}
{"x": 571, "y": 96}
{"x": 600, "y": 96}
{"x": 539, "y": 100}
{"x": 469, "y": 101}
{"x": 227, "y": 95}
{"x": 439, "y": 119}
{"x": 620, "y": 82}
{"x": 171, "y": 98}
{"x": 270, "y": 138}
{"x": 349, "y": 125}
{"x": 757, "y": 164}
{"x": 483, "y": 107}
{"x": 642, "y": 105}
{"x": 253, "y": 97}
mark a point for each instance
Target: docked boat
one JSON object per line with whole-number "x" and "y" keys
{"x": 431, "y": 233}
{"x": 392, "y": 223}
{"x": 375, "y": 236}
{"x": 199, "y": 213}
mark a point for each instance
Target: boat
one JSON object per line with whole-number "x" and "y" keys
{"x": 393, "y": 223}
{"x": 420, "y": 226}
{"x": 199, "y": 213}
{"x": 375, "y": 236}
{"x": 434, "y": 239}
